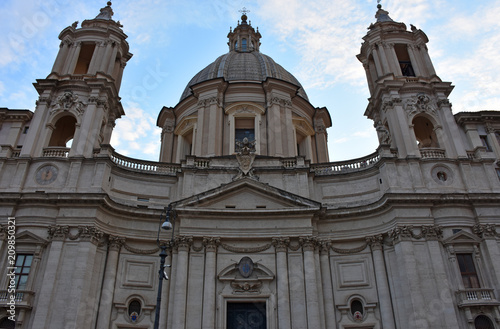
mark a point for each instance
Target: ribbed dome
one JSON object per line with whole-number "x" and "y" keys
{"x": 249, "y": 66}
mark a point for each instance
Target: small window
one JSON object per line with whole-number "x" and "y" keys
{"x": 23, "y": 266}
{"x": 244, "y": 45}
{"x": 134, "y": 310}
{"x": 357, "y": 310}
{"x": 484, "y": 141}
{"x": 498, "y": 172}
{"x": 404, "y": 60}
{"x": 236, "y": 45}
{"x": 468, "y": 271}
{"x": 483, "y": 322}
{"x": 497, "y": 134}
{"x": 25, "y": 130}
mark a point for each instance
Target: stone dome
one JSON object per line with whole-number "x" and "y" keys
{"x": 244, "y": 62}
{"x": 241, "y": 66}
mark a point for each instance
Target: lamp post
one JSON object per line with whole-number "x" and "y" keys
{"x": 166, "y": 225}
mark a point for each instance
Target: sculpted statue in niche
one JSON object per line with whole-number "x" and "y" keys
{"x": 384, "y": 136}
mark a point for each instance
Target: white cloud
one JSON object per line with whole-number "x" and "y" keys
{"x": 2, "y": 88}
{"x": 136, "y": 133}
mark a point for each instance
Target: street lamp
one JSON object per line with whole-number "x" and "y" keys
{"x": 165, "y": 225}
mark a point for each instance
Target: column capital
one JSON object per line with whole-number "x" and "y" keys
{"x": 308, "y": 243}
{"x": 58, "y": 232}
{"x": 183, "y": 242}
{"x": 211, "y": 243}
{"x": 281, "y": 244}
{"x": 115, "y": 242}
{"x": 376, "y": 242}
{"x": 485, "y": 230}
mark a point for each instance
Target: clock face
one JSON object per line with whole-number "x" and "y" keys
{"x": 46, "y": 174}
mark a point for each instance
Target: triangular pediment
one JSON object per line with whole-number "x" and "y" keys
{"x": 247, "y": 194}
{"x": 462, "y": 237}
{"x": 26, "y": 237}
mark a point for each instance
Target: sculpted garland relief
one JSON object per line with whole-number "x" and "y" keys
{"x": 418, "y": 104}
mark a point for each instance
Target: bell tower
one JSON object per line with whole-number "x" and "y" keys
{"x": 79, "y": 100}
{"x": 408, "y": 101}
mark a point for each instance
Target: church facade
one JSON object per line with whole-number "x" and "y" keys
{"x": 267, "y": 234}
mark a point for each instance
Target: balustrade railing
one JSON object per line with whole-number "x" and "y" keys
{"x": 289, "y": 163}
{"x": 432, "y": 153}
{"x": 23, "y": 298}
{"x": 56, "y": 152}
{"x": 477, "y": 296}
{"x": 342, "y": 167}
{"x": 144, "y": 166}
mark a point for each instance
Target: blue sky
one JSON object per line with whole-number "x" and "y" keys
{"x": 317, "y": 41}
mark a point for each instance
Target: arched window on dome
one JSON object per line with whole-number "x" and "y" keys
{"x": 236, "y": 45}
{"x": 184, "y": 133}
{"x": 303, "y": 134}
{"x": 244, "y": 119}
{"x": 244, "y": 45}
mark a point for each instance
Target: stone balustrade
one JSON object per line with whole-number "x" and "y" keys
{"x": 56, "y": 152}
{"x": 342, "y": 167}
{"x": 23, "y": 298}
{"x": 144, "y": 166}
{"x": 432, "y": 153}
{"x": 476, "y": 297}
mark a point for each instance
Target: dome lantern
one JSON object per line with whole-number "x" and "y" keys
{"x": 244, "y": 38}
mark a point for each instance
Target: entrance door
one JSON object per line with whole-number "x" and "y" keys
{"x": 248, "y": 315}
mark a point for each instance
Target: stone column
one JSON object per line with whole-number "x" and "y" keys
{"x": 312, "y": 303}
{"x": 166, "y": 288}
{"x": 108, "y": 285}
{"x": 384, "y": 294}
{"x": 380, "y": 56}
{"x": 209, "y": 308}
{"x": 57, "y": 234}
{"x": 489, "y": 234}
{"x": 73, "y": 59}
{"x": 414, "y": 306}
{"x": 326, "y": 279}
{"x": 445, "y": 292}
{"x": 61, "y": 56}
{"x": 413, "y": 59}
{"x": 179, "y": 316}
{"x": 284, "y": 316}
{"x": 112, "y": 59}
{"x": 427, "y": 59}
